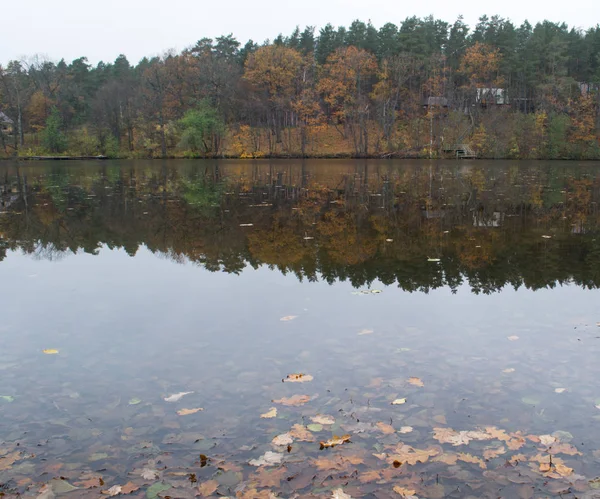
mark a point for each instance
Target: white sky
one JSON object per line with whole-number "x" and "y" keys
{"x": 102, "y": 29}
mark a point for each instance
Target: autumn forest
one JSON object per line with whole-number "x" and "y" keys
{"x": 424, "y": 88}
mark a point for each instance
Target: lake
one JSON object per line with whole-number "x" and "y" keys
{"x": 262, "y": 329}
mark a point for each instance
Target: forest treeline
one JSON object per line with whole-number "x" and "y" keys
{"x": 423, "y": 88}
{"x": 490, "y": 227}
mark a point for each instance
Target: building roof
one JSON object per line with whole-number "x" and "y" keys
{"x": 5, "y": 119}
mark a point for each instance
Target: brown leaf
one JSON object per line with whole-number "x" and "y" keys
{"x": 299, "y": 432}
{"x": 516, "y": 442}
{"x": 404, "y": 492}
{"x": 405, "y": 454}
{"x": 269, "y": 478}
{"x": 415, "y": 381}
{"x": 323, "y": 419}
{"x": 208, "y": 487}
{"x": 90, "y": 483}
{"x": 298, "y": 378}
{"x": 283, "y": 439}
{"x": 468, "y": 458}
{"x": 129, "y": 487}
{"x": 493, "y": 452}
{"x": 332, "y": 442}
{"x": 295, "y": 400}
{"x": 564, "y": 448}
{"x": 386, "y": 428}
{"x": 447, "y": 458}
{"x": 369, "y": 476}
{"x": 7, "y": 461}
{"x": 187, "y": 412}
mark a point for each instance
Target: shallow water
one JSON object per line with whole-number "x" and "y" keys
{"x": 470, "y": 289}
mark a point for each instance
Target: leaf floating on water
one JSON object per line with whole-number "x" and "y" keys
{"x": 530, "y": 400}
{"x": 298, "y": 378}
{"x": 340, "y": 494}
{"x": 149, "y": 474}
{"x": 46, "y": 493}
{"x": 272, "y": 413}
{"x": 415, "y": 381}
{"x": 547, "y": 440}
{"x": 560, "y": 390}
{"x": 362, "y": 332}
{"x": 267, "y": 459}
{"x": 60, "y": 486}
{"x": 7, "y": 398}
{"x": 547, "y": 237}
{"x": 406, "y": 454}
{"x": 207, "y": 488}
{"x": 509, "y": 370}
{"x": 468, "y": 458}
{"x": 283, "y": 439}
{"x": 315, "y": 427}
{"x": 129, "y": 487}
{"x": 187, "y": 412}
{"x": 246, "y": 225}
{"x": 405, "y": 493}
{"x": 300, "y": 432}
{"x": 154, "y": 490}
{"x": 288, "y": 318}
{"x": 50, "y": 351}
{"x": 332, "y": 442}
{"x": 434, "y": 260}
{"x": 376, "y": 291}
{"x": 513, "y": 338}
{"x": 176, "y": 396}
{"x": 295, "y": 400}
{"x": 405, "y": 429}
{"x": 399, "y": 401}
{"x": 323, "y": 419}
{"x": 135, "y": 401}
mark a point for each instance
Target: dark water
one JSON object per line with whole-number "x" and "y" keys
{"x": 478, "y": 281}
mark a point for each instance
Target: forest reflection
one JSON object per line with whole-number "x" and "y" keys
{"x": 490, "y": 224}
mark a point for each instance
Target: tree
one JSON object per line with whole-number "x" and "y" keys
{"x": 53, "y": 138}
{"x": 202, "y": 129}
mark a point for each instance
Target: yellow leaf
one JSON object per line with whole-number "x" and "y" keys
{"x": 295, "y": 400}
{"x": 187, "y": 412}
{"x": 399, "y": 401}
{"x": 298, "y": 378}
{"x": 404, "y": 492}
{"x": 272, "y": 413}
{"x": 50, "y": 351}
{"x": 468, "y": 458}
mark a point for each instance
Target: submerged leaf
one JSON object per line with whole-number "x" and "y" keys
{"x": 271, "y": 413}
{"x": 340, "y": 494}
{"x": 283, "y": 439}
{"x": 207, "y": 488}
{"x": 295, "y": 400}
{"x": 176, "y": 396}
{"x": 415, "y": 381}
{"x": 267, "y": 459}
{"x": 187, "y": 412}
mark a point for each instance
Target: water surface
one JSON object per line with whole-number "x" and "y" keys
{"x": 469, "y": 289}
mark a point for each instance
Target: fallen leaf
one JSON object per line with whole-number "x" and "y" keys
{"x": 267, "y": 459}
{"x": 450, "y": 436}
{"x": 7, "y": 398}
{"x": 298, "y": 378}
{"x": 516, "y": 442}
{"x": 46, "y": 492}
{"x": 399, "y": 401}
{"x": 246, "y": 225}
{"x": 270, "y": 477}
{"x": 7, "y": 461}
{"x": 405, "y": 429}
{"x": 177, "y": 396}
{"x": 547, "y": 440}
{"x": 283, "y": 439}
{"x": 90, "y": 483}
{"x": 513, "y": 338}
{"x": 149, "y": 474}
{"x": 335, "y": 440}
{"x": 60, "y": 486}
{"x": 433, "y": 260}
{"x": 405, "y": 454}
{"x": 362, "y": 332}
{"x": 560, "y": 390}
{"x": 405, "y": 493}
{"x": 447, "y": 458}
{"x": 271, "y": 413}
{"x": 564, "y": 448}
{"x": 295, "y": 400}
{"x": 288, "y": 318}
{"x": 369, "y": 476}
{"x": 315, "y": 427}
{"x": 493, "y": 452}
{"x": 129, "y": 487}
{"x": 207, "y": 488}
{"x": 340, "y": 494}
{"x": 50, "y": 351}
{"x": 115, "y": 490}
{"x": 323, "y": 419}
{"x": 415, "y": 381}
{"x": 547, "y": 237}
{"x": 187, "y": 412}
{"x": 299, "y": 432}
{"x": 468, "y": 458}
{"x": 509, "y": 370}
{"x": 135, "y": 401}
{"x": 386, "y": 428}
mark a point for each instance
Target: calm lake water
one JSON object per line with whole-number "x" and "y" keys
{"x": 444, "y": 317}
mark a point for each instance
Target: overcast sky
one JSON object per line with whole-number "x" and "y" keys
{"x": 103, "y": 29}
